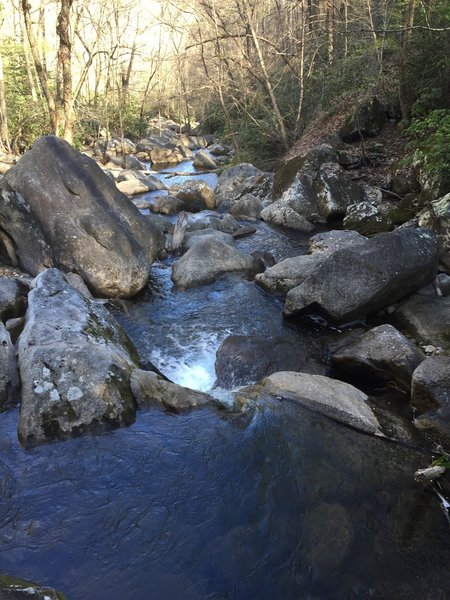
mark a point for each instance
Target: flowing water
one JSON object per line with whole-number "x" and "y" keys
{"x": 286, "y": 505}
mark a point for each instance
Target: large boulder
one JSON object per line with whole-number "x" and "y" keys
{"x": 289, "y": 273}
{"x": 60, "y": 209}
{"x": 204, "y": 160}
{"x": 193, "y": 237}
{"x": 427, "y": 318}
{"x": 150, "y": 389}
{"x": 335, "y": 190}
{"x": 236, "y": 181}
{"x": 197, "y": 195}
{"x": 380, "y": 356}
{"x": 430, "y": 396}
{"x": 287, "y": 212}
{"x": 244, "y": 359}
{"x": 335, "y": 399}
{"x": 209, "y": 258}
{"x": 437, "y": 217}
{"x": 360, "y": 280}
{"x": 13, "y": 297}
{"x": 75, "y": 364}
{"x": 247, "y": 206}
{"x": 320, "y": 190}
{"x": 366, "y": 119}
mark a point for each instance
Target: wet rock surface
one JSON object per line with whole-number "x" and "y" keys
{"x": 149, "y": 389}
{"x": 241, "y": 360}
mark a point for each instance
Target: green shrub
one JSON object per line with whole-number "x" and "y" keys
{"x": 431, "y": 141}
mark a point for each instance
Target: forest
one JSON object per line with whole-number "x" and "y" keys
{"x": 255, "y": 72}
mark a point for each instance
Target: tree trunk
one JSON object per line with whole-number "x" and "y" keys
{"x": 266, "y": 80}
{"x": 403, "y": 91}
{"x": 40, "y": 69}
{"x": 329, "y": 24}
{"x": 4, "y": 133}
{"x": 65, "y": 64}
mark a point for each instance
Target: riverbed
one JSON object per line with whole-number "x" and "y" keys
{"x": 285, "y": 504}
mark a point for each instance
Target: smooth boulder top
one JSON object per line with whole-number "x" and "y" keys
{"x": 337, "y": 400}
{"x": 208, "y": 259}
{"x": 365, "y": 278}
{"x": 61, "y": 210}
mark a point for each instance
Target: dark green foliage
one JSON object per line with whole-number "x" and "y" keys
{"x": 26, "y": 119}
{"x": 431, "y": 141}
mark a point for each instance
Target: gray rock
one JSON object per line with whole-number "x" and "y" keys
{"x": 167, "y": 205}
{"x": 149, "y": 389}
{"x": 165, "y": 155}
{"x": 15, "y": 327}
{"x": 329, "y": 241}
{"x": 289, "y": 273}
{"x": 8, "y": 367}
{"x": 382, "y": 355}
{"x": 13, "y": 298}
{"x": 367, "y": 120}
{"x": 283, "y": 213}
{"x": 368, "y": 218}
{"x": 439, "y": 221}
{"x": 140, "y": 185}
{"x": 226, "y": 223}
{"x": 425, "y": 318}
{"x": 337, "y": 400}
{"x": 204, "y": 160}
{"x": 234, "y": 182}
{"x": 194, "y": 237}
{"x": 247, "y": 206}
{"x": 244, "y": 359}
{"x": 208, "y": 259}
{"x": 161, "y": 222}
{"x": 335, "y": 191}
{"x": 430, "y": 396}
{"x": 198, "y": 195}
{"x": 217, "y": 149}
{"x": 61, "y": 210}
{"x": 127, "y": 162}
{"x": 75, "y": 363}
{"x": 360, "y": 280}
{"x": 13, "y": 588}
{"x": 443, "y": 281}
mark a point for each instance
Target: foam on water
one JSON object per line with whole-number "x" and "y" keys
{"x": 190, "y": 365}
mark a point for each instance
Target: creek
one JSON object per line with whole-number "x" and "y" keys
{"x": 285, "y": 505}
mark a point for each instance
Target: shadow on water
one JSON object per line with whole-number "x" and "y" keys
{"x": 199, "y": 506}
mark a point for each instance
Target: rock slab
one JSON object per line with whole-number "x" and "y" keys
{"x": 337, "y": 400}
